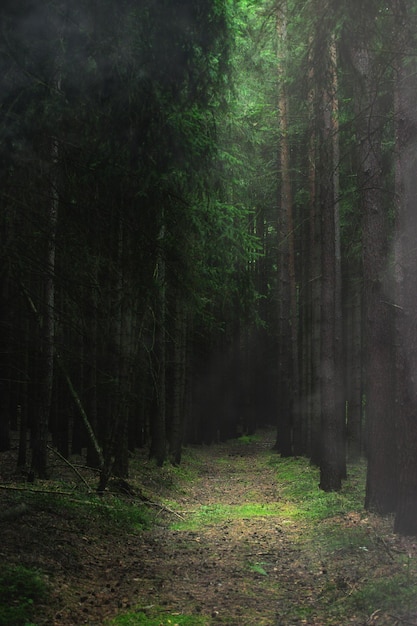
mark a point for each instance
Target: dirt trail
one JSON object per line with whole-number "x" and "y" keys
{"x": 242, "y": 562}
{"x": 241, "y": 570}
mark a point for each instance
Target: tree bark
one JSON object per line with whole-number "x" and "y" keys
{"x": 289, "y": 422}
{"x": 158, "y": 449}
{"x": 381, "y": 488}
{"x": 46, "y": 369}
{"x": 405, "y": 275}
{"x": 179, "y": 382}
{"x": 332, "y": 404}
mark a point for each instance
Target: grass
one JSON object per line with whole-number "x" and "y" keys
{"x": 385, "y": 593}
{"x": 346, "y": 572}
{"x": 213, "y": 514}
{"x": 20, "y": 588}
{"x": 168, "y": 478}
{"x": 247, "y": 439}
{"x": 359, "y": 577}
{"x": 116, "y": 511}
{"x": 299, "y": 497}
{"x": 299, "y": 488}
{"x": 158, "y": 618}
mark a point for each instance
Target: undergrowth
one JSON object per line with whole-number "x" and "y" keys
{"x": 217, "y": 513}
{"x": 20, "y": 588}
{"x": 158, "y": 618}
{"x": 121, "y": 513}
{"x": 358, "y": 576}
{"x": 299, "y": 488}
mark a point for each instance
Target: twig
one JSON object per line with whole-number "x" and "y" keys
{"x": 28, "y": 490}
{"x": 387, "y": 548}
{"x": 88, "y": 467}
{"x": 401, "y": 620}
{"x": 164, "y": 508}
{"x": 70, "y": 465}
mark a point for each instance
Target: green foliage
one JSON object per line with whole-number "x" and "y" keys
{"x": 213, "y": 514}
{"x": 306, "y": 501}
{"x": 19, "y": 589}
{"x": 258, "y": 569}
{"x": 385, "y": 594}
{"x": 119, "y": 513}
{"x": 124, "y": 515}
{"x": 158, "y": 618}
{"x": 248, "y": 439}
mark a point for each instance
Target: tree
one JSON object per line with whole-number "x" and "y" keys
{"x": 289, "y": 414}
{"x": 332, "y": 409}
{"x": 405, "y": 260}
{"x": 381, "y": 475}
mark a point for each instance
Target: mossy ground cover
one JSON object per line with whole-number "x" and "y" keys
{"x": 20, "y": 589}
{"x": 236, "y": 536}
{"x": 159, "y": 617}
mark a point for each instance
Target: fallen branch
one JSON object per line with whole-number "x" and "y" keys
{"x": 29, "y": 490}
{"x": 69, "y": 495}
{"x": 164, "y": 508}
{"x": 71, "y": 387}
{"x": 59, "y": 455}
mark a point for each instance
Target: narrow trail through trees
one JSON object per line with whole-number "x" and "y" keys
{"x": 234, "y": 541}
{"x": 243, "y": 557}
{"x": 241, "y": 565}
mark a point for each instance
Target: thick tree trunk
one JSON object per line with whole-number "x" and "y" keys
{"x": 405, "y": 275}
{"x": 381, "y": 475}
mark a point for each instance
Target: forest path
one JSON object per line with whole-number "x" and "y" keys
{"x": 235, "y": 541}
{"x": 235, "y": 557}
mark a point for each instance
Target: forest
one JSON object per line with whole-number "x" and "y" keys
{"x": 209, "y": 226}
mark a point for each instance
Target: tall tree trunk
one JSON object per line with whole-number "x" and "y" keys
{"x": 332, "y": 405}
{"x": 91, "y": 355}
{"x": 46, "y": 365}
{"x": 315, "y": 275}
{"x": 287, "y": 232}
{"x": 158, "y": 424}
{"x": 339, "y": 347}
{"x": 353, "y": 343}
{"x": 381, "y": 489}
{"x": 405, "y": 275}
{"x": 179, "y": 382}
{"x": 5, "y": 350}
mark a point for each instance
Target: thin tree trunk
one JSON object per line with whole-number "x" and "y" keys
{"x": 46, "y": 373}
{"x": 5, "y": 330}
{"x": 354, "y": 368}
{"x": 339, "y": 348}
{"x": 331, "y": 459}
{"x": 287, "y": 232}
{"x": 91, "y": 355}
{"x": 178, "y": 382}
{"x": 314, "y": 278}
{"x": 158, "y": 424}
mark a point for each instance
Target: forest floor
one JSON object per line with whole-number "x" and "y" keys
{"x": 238, "y": 537}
